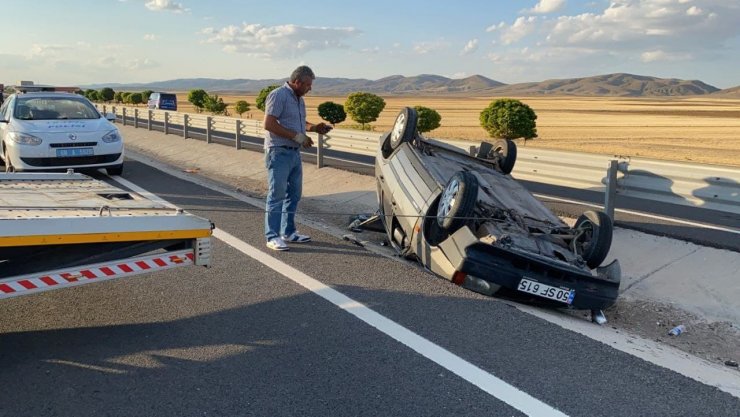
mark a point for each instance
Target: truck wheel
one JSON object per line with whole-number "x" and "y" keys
{"x": 504, "y": 152}
{"x": 404, "y": 128}
{"x": 593, "y": 237}
{"x": 458, "y": 200}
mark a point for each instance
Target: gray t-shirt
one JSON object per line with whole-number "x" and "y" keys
{"x": 290, "y": 112}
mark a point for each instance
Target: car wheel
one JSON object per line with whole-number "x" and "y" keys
{"x": 115, "y": 170}
{"x": 404, "y": 128}
{"x": 458, "y": 200}
{"x": 593, "y": 237}
{"x": 8, "y": 166}
{"x": 504, "y": 152}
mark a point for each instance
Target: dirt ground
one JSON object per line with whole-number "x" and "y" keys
{"x": 689, "y": 129}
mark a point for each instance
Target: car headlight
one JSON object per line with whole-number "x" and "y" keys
{"x": 112, "y": 136}
{"x": 24, "y": 138}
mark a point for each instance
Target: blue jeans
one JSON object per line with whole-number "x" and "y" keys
{"x": 284, "y": 187}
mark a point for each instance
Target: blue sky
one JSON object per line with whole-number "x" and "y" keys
{"x": 77, "y": 42}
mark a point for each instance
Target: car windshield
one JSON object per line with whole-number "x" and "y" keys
{"x": 52, "y": 108}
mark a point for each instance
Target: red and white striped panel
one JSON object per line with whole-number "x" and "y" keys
{"x": 28, "y": 284}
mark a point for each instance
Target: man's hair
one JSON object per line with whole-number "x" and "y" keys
{"x": 301, "y": 73}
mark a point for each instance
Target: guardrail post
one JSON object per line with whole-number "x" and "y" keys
{"x": 136, "y": 118}
{"x": 185, "y": 126}
{"x": 209, "y": 120}
{"x": 610, "y": 193}
{"x": 104, "y": 109}
{"x": 113, "y": 110}
{"x": 238, "y": 134}
{"x": 124, "y": 116}
{"x": 473, "y": 150}
{"x": 320, "y": 152}
{"x": 149, "y": 119}
{"x": 166, "y": 123}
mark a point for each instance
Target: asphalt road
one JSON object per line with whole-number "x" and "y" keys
{"x": 241, "y": 338}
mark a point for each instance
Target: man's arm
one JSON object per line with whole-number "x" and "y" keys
{"x": 321, "y": 128}
{"x": 271, "y": 125}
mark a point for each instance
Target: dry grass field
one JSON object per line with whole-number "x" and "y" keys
{"x": 698, "y": 130}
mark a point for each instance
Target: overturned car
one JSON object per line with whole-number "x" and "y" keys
{"x": 466, "y": 219}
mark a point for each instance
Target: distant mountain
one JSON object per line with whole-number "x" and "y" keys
{"x": 615, "y": 85}
{"x": 733, "y": 92}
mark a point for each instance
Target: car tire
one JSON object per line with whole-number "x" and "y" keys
{"x": 504, "y": 152}
{"x": 594, "y": 238}
{"x": 115, "y": 170}
{"x": 457, "y": 202}
{"x": 8, "y": 166}
{"x": 404, "y": 128}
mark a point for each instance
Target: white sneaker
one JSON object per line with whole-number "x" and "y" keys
{"x": 277, "y": 243}
{"x": 296, "y": 237}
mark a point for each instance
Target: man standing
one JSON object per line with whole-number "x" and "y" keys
{"x": 286, "y": 126}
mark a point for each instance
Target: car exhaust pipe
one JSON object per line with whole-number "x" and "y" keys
{"x": 399, "y": 237}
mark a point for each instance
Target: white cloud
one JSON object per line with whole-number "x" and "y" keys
{"x": 651, "y": 23}
{"x": 139, "y": 64}
{"x": 547, "y": 6}
{"x": 423, "y": 48}
{"x": 658, "y": 55}
{"x": 521, "y": 27}
{"x": 694, "y": 11}
{"x": 283, "y": 41}
{"x": 47, "y": 51}
{"x": 150, "y": 37}
{"x": 165, "y": 5}
{"x": 470, "y": 47}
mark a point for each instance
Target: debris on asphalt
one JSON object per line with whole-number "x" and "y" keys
{"x": 677, "y": 330}
{"x": 353, "y": 239}
{"x": 731, "y": 363}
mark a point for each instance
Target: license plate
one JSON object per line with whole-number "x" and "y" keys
{"x": 71, "y": 152}
{"x": 564, "y": 295}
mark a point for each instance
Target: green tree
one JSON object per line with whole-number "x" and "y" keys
{"x": 364, "y": 107}
{"x": 332, "y": 112}
{"x": 126, "y": 97}
{"x": 136, "y": 98}
{"x": 118, "y": 97}
{"x": 145, "y": 95}
{"x": 428, "y": 120}
{"x": 241, "y": 107}
{"x": 91, "y": 94}
{"x": 106, "y": 94}
{"x": 214, "y": 104}
{"x": 509, "y": 119}
{"x": 197, "y": 98}
{"x": 262, "y": 96}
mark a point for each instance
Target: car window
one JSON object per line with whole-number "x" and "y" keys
{"x": 52, "y": 108}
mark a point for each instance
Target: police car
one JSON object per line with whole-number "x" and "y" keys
{"x": 47, "y": 130}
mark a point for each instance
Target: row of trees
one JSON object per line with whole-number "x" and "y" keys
{"x": 503, "y": 118}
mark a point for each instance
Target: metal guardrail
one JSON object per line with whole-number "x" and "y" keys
{"x": 705, "y": 186}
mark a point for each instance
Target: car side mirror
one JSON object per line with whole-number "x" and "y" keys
{"x": 110, "y": 117}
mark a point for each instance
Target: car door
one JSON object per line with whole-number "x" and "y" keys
{"x": 411, "y": 187}
{"x": 4, "y": 124}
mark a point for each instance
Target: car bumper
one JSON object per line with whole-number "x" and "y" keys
{"x": 507, "y": 268}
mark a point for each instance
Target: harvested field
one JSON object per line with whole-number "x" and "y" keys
{"x": 697, "y": 130}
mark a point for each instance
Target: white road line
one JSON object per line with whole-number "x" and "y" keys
{"x": 448, "y": 360}
{"x": 638, "y": 213}
{"x": 658, "y": 354}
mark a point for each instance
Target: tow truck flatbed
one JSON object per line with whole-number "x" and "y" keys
{"x": 53, "y": 222}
